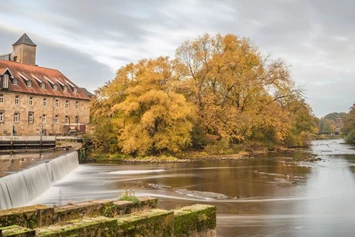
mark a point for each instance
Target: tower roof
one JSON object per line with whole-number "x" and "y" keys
{"x": 24, "y": 40}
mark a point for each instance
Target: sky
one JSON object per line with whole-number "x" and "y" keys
{"x": 89, "y": 40}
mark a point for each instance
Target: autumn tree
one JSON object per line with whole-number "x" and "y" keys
{"x": 349, "y": 126}
{"x": 331, "y": 123}
{"x": 239, "y": 93}
{"x": 217, "y": 91}
{"x": 149, "y": 117}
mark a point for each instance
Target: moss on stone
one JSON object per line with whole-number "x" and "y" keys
{"x": 195, "y": 218}
{"x": 88, "y": 219}
{"x": 99, "y": 226}
{"x": 30, "y": 216}
{"x": 16, "y": 231}
{"x": 152, "y": 223}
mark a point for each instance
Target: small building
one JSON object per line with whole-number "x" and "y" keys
{"x": 35, "y": 100}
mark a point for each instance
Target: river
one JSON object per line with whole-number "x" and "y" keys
{"x": 270, "y": 195}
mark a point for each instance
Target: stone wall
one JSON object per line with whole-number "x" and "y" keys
{"x": 50, "y": 126}
{"x": 109, "y": 218}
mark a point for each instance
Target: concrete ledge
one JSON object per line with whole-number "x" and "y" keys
{"x": 195, "y": 220}
{"x": 16, "y": 231}
{"x": 30, "y": 216}
{"x": 109, "y": 218}
{"x": 150, "y": 223}
{"x": 99, "y": 226}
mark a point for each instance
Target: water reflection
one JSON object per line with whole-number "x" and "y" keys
{"x": 274, "y": 195}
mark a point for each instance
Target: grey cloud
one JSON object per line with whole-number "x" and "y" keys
{"x": 316, "y": 37}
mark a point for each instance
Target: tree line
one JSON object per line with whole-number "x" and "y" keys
{"x": 217, "y": 93}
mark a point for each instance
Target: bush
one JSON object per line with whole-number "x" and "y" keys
{"x": 350, "y": 138}
{"x": 125, "y": 197}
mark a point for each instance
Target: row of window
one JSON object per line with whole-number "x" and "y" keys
{"x": 43, "y": 117}
{"x": 40, "y": 83}
{"x": 44, "y": 102}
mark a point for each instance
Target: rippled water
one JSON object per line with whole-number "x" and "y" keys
{"x": 273, "y": 195}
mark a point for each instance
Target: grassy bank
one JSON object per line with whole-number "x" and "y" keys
{"x": 188, "y": 156}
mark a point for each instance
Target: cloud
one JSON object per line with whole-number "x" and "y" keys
{"x": 92, "y": 39}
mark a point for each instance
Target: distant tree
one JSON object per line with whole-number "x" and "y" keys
{"x": 349, "y": 126}
{"x": 331, "y": 123}
{"x": 326, "y": 126}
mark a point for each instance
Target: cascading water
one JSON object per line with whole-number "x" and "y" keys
{"x": 20, "y": 188}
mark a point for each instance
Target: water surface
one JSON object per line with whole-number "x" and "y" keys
{"x": 272, "y": 195}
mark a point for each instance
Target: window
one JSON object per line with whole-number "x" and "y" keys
{"x": 67, "y": 120}
{"x": 44, "y": 101}
{"x": 16, "y": 117}
{"x": 30, "y": 117}
{"x": 44, "y": 118}
{"x": 30, "y": 101}
{"x": 67, "y": 104}
{"x": 65, "y": 88}
{"x": 56, "y": 118}
{"x": 1, "y": 117}
{"x": 17, "y": 100}
{"x": 76, "y": 119}
{"x": 14, "y": 81}
{"x": 55, "y": 87}
{"x": 1, "y": 98}
{"x": 56, "y": 103}
{"x": 75, "y": 90}
{"x": 76, "y": 104}
{"x": 5, "y": 83}
{"x": 43, "y": 86}
{"x": 29, "y": 83}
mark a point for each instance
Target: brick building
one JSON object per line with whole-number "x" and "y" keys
{"x": 35, "y": 99}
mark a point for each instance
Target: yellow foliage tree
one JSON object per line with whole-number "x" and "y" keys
{"x": 218, "y": 90}
{"x": 149, "y": 116}
{"x": 237, "y": 91}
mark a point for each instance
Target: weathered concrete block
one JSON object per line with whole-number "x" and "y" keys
{"x": 150, "y": 223}
{"x": 87, "y": 227}
{"x": 194, "y": 221}
{"x": 79, "y": 210}
{"x": 108, "y": 218}
{"x": 16, "y": 231}
{"x": 126, "y": 207}
{"x": 30, "y": 216}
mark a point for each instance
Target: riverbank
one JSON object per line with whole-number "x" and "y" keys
{"x": 190, "y": 156}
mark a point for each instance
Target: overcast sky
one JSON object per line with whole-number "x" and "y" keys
{"x": 89, "y": 40}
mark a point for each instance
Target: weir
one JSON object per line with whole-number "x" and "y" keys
{"x": 20, "y": 188}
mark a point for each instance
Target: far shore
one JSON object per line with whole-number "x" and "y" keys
{"x": 186, "y": 157}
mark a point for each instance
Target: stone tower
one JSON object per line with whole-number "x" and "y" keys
{"x": 24, "y": 51}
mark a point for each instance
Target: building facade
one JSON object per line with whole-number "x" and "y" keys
{"x": 35, "y": 100}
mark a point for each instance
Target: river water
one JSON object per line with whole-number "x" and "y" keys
{"x": 271, "y": 195}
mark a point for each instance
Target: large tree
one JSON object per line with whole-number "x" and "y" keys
{"x": 217, "y": 90}
{"x": 240, "y": 94}
{"x": 147, "y": 114}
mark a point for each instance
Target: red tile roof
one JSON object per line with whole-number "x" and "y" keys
{"x": 24, "y": 72}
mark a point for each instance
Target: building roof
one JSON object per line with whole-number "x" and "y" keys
{"x": 51, "y": 78}
{"x": 24, "y": 40}
{"x": 88, "y": 93}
